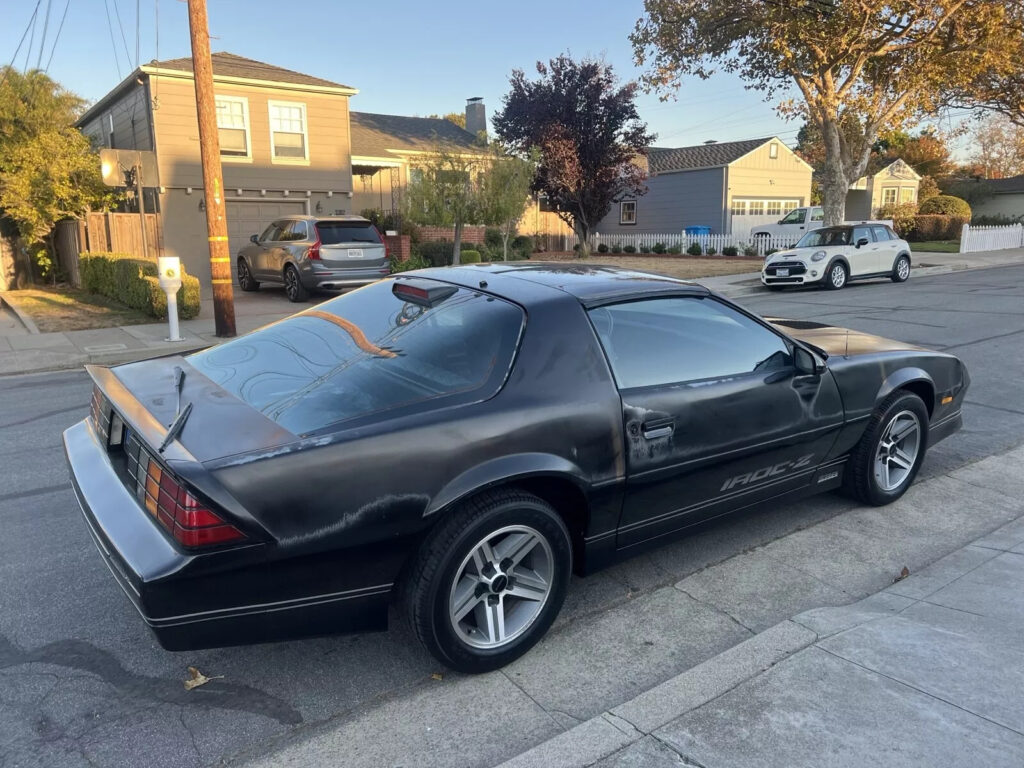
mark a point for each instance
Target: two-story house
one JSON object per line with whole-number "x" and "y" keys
{"x": 284, "y": 142}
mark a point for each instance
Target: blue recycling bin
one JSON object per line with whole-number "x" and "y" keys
{"x": 697, "y": 230}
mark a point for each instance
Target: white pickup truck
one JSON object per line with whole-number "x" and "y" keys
{"x": 801, "y": 220}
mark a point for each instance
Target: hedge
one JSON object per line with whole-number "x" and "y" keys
{"x": 946, "y": 205}
{"x": 935, "y": 227}
{"x": 469, "y": 257}
{"x": 133, "y": 281}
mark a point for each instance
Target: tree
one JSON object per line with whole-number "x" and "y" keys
{"x": 860, "y": 67}
{"x": 442, "y": 190}
{"x": 459, "y": 118}
{"x": 998, "y": 148}
{"x": 48, "y": 170}
{"x": 505, "y": 191}
{"x": 587, "y": 132}
{"x": 999, "y": 88}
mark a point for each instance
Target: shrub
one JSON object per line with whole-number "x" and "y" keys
{"x": 436, "y": 254}
{"x": 576, "y": 247}
{"x": 711, "y": 251}
{"x": 415, "y": 261}
{"x": 695, "y": 249}
{"x": 469, "y": 257}
{"x": 675, "y": 250}
{"x": 750, "y": 250}
{"x": 935, "y": 227}
{"x": 995, "y": 220}
{"x": 629, "y": 249}
{"x": 659, "y": 248}
{"x": 770, "y": 251}
{"x": 902, "y": 215}
{"x": 602, "y": 248}
{"x": 730, "y": 250}
{"x": 645, "y": 249}
{"x": 946, "y": 205}
{"x": 492, "y": 239}
{"x": 133, "y": 281}
{"x": 521, "y": 246}
{"x": 616, "y": 247}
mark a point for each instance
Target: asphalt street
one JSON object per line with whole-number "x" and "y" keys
{"x": 82, "y": 682}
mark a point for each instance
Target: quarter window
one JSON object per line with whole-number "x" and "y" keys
{"x": 233, "y": 126}
{"x": 881, "y": 234}
{"x": 627, "y": 212}
{"x": 296, "y": 231}
{"x": 288, "y": 140}
{"x": 666, "y": 341}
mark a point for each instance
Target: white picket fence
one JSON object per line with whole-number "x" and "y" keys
{"x": 974, "y": 239}
{"x": 683, "y": 241}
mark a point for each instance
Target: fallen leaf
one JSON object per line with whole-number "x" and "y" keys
{"x": 436, "y": 676}
{"x": 903, "y": 574}
{"x": 197, "y": 678}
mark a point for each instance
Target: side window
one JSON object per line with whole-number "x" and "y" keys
{"x": 271, "y": 234}
{"x": 296, "y": 231}
{"x": 892, "y": 235}
{"x": 881, "y": 234}
{"x": 817, "y": 214}
{"x": 796, "y": 216}
{"x": 656, "y": 342}
{"x": 860, "y": 233}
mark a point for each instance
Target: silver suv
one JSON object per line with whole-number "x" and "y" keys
{"x": 306, "y": 253}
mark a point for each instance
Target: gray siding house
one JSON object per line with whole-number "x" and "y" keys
{"x": 726, "y": 186}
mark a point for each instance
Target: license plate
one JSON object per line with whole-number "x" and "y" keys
{"x": 782, "y": 273}
{"x": 355, "y": 253}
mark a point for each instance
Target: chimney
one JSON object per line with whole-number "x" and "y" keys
{"x": 476, "y": 116}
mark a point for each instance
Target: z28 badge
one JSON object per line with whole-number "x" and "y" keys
{"x": 765, "y": 472}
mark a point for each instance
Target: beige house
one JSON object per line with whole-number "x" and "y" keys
{"x": 725, "y": 186}
{"x": 896, "y": 183}
{"x": 284, "y": 142}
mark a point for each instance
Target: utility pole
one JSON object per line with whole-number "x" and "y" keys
{"x": 213, "y": 183}
{"x": 137, "y": 173}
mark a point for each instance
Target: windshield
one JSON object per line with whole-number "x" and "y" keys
{"x": 827, "y": 236}
{"x": 369, "y": 352}
{"x": 334, "y": 232}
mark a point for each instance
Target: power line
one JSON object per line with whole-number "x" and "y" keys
{"x": 127, "y": 56}
{"x": 113, "y": 44}
{"x": 56, "y": 39}
{"x": 20, "y": 43}
{"x": 137, "y": 3}
{"x": 42, "y": 40}
{"x": 31, "y": 39}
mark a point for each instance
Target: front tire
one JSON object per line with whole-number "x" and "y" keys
{"x": 489, "y": 581}
{"x": 888, "y": 456}
{"x": 901, "y": 270}
{"x": 245, "y": 279}
{"x": 836, "y": 277}
{"x": 293, "y": 287}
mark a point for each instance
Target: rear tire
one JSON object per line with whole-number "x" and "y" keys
{"x": 836, "y": 277}
{"x": 901, "y": 270}
{"x": 245, "y": 279}
{"x": 293, "y": 287}
{"x": 889, "y": 454}
{"x": 488, "y": 581}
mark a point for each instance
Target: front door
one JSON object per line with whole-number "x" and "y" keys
{"x": 265, "y": 246}
{"x": 716, "y": 416}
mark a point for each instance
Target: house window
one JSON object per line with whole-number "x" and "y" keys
{"x": 789, "y": 205}
{"x": 774, "y": 208}
{"x": 889, "y": 195}
{"x": 739, "y": 207}
{"x": 907, "y": 194}
{"x": 288, "y": 139}
{"x": 627, "y": 212}
{"x": 544, "y": 204}
{"x": 773, "y": 151}
{"x": 110, "y": 130}
{"x": 233, "y": 126}
{"x": 756, "y": 207}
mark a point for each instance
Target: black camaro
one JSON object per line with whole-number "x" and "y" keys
{"x": 466, "y": 438}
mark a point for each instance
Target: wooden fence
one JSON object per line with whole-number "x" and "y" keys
{"x": 122, "y": 233}
{"x": 974, "y": 239}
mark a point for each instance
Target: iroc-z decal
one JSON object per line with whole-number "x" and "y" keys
{"x": 765, "y": 472}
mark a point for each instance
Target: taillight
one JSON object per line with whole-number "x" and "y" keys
{"x": 180, "y": 513}
{"x": 387, "y": 251}
{"x": 313, "y": 252}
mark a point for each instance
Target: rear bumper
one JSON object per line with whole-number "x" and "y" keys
{"x": 213, "y": 599}
{"x": 319, "y": 277}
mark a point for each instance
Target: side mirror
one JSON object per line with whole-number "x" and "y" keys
{"x": 806, "y": 363}
{"x": 254, "y": 238}
{"x": 863, "y": 241}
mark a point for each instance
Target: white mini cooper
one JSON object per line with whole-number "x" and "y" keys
{"x": 831, "y": 256}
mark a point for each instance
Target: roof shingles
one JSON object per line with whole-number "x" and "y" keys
{"x": 663, "y": 159}
{"x": 376, "y": 135}
{"x": 230, "y": 65}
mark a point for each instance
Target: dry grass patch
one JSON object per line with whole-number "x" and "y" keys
{"x": 683, "y": 266}
{"x": 69, "y": 309}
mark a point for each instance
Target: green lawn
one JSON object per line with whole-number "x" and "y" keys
{"x": 937, "y": 246}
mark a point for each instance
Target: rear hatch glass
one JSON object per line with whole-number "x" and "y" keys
{"x": 350, "y": 244}
{"x": 369, "y": 354}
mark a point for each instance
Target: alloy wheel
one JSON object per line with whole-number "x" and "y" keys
{"x": 291, "y": 283}
{"x": 501, "y": 587}
{"x": 903, "y": 269}
{"x": 837, "y": 276}
{"x": 897, "y": 451}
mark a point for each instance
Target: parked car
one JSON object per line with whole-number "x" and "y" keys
{"x": 793, "y": 224}
{"x": 307, "y": 253}
{"x": 463, "y": 439}
{"x": 833, "y": 256}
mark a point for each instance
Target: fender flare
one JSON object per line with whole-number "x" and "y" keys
{"x": 900, "y": 378}
{"x": 502, "y": 470}
{"x": 900, "y": 255}
{"x": 831, "y": 262}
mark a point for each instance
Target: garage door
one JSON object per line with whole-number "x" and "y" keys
{"x": 251, "y": 218}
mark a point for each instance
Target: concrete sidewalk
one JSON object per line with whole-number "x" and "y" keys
{"x": 928, "y": 672}
{"x": 23, "y": 349}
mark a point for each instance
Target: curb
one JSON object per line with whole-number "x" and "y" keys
{"x": 76, "y": 361}
{"x": 25, "y": 320}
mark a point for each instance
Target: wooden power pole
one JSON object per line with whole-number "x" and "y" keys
{"x": 209, "y": 149}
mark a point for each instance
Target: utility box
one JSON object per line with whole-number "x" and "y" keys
{"x": 169, "y": 276}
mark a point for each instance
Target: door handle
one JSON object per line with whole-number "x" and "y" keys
{"x": 652, "y": 430}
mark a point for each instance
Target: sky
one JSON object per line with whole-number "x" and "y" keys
{"x": 405, "y": 57}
